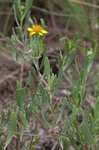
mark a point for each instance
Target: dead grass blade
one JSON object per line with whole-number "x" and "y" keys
{"x": 85, "y": 3}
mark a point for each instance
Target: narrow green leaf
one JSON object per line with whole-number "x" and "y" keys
{"x": 70, "y": 59}
{"x": 47, "y": 67}
{"x": 28, "y": 5}
{"x": 55, "y": 106}
{"x": 12, "y": 124}
{"x": 8, "y": 141}
{"x": 60, "y": 60}
{"x": 34, "y": 73}
{"x": 23, "y": 119}
{"x": 66, "y": 144}
{"x": 20, "y": 96}
{"x": 16, "y": 8}
{"x": 66, "y": 42}
{"x": 45, "y": 119}
{"x": 97, "y": 109}
{"x": 52, "y": 82}
{"x": 74, "y": 42}
{"x": 96, "y": 119}
{"x": 60, "y": 78}
{"x": 44, "y": 93}
{"x": 88, "y": 62}
{"x": 62, "y": 111}
{"x": 18, "y": 84}
{"x": 87, "y": 133}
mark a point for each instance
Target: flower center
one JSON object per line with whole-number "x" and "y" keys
{"x": 37, "y": 28}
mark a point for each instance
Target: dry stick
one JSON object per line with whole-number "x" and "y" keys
{"x": 59, "y": 14}
{"x": 85, "y": 3}
{"x": 54, "y": 146}
{"x": 52, "y": 17}
{"x": 45, "y": 83}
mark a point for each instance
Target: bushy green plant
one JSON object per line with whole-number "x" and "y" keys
{"x": 78, "y": 122}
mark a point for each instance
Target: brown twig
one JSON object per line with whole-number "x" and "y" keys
{"x": 85, "y": 3}
{"x": 50, "y": 4}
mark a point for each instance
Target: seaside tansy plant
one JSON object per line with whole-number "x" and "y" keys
{"x": 36, "y": 29}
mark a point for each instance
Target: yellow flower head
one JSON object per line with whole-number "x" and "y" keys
{"x": 36, "y": 29}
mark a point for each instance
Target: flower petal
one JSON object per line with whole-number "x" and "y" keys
{"x": 44, "y": 31}
{"x": 31, "y": 33}
{"x": 29, "y": 29}
{"x": 40, "y": 33}
{"x": 36, "y": 29}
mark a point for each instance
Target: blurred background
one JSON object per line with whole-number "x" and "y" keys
{"x": 62, "y": 17}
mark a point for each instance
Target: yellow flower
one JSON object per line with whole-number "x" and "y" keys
{"x": 36, "y": 29}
